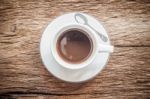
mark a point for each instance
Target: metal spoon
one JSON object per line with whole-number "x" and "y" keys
{"x": 104, "y": 38}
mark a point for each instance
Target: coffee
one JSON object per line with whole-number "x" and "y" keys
{"x": 74, "y": 46}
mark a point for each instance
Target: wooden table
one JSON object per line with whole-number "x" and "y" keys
{"x": 23, "y": 76}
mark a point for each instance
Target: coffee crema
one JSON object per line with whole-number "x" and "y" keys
{"x": 74, "y": 46}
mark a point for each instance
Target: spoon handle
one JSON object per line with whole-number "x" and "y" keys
{"x": 104, "y": 38}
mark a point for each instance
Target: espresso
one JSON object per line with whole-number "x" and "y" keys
{"x": 74, "y": 46}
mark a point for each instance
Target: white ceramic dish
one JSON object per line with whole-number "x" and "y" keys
{"x": 80, "y": 74}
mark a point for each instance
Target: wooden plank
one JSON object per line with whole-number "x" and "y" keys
{"x": 86, "y": 96}
{"x": 127, "y": 74}
{"x": 127, "y": 22}
{"x": 22, "y": 74}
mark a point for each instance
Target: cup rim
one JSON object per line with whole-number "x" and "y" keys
{"x": 80, "y": 65}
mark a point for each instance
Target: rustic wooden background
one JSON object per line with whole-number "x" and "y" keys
{"x": 23, "y": 76}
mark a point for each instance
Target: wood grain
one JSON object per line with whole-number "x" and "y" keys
{"x": 23, "y": 76}
{"x": 127, "y": 22}
{"x": 86, "y": 96}
{"x": 127, "y": 74}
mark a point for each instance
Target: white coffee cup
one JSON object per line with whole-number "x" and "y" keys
{"x": 97, "y": 47}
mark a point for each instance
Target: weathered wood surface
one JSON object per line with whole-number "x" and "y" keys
{"x": 127, "y": 74}
{"x": 23, "y": 76}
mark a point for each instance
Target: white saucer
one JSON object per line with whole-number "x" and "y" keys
{"x": 60, "y": 72}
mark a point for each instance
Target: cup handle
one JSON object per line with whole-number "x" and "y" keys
{"x": 105, "y": 48}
